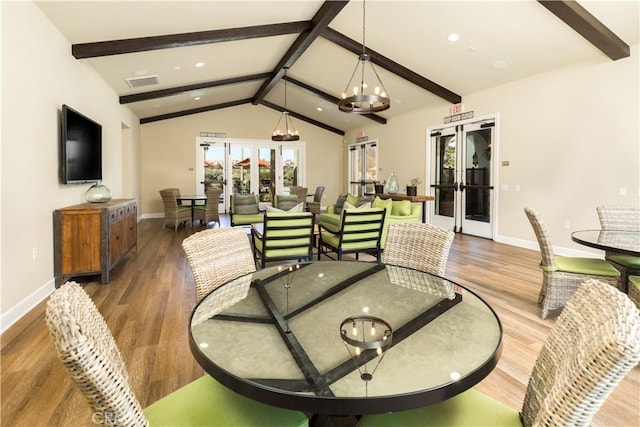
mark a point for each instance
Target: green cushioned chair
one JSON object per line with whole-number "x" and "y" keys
{"x": 86, "y": 347}
{"x": 244, "y": 210}
{"x": 174, "y": 214}
{"x": 624, "y": 218}
{"x": 284, "y": 236}
{"x": 360, "y": 232}
{"x": 594, "y": 343}
{"x": 561, "y": 276}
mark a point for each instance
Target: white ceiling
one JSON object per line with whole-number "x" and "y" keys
{"x": 523, "y": 35}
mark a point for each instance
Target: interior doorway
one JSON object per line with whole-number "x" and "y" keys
{"x": 463, "y": 176}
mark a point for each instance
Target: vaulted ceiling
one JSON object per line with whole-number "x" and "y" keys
{"x": 244, "y": 47}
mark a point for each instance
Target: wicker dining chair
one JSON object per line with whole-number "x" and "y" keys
{"x": 625, "y": 218}
{"x": 593, "y": 344}
{"x": 316, "y": 203}
{"x": 88, "y": 350}
{"x": 420, "y": 246}
{"x": 174, "y": 214}
{"x": 561, "y": 276}
{"x": 217, "y": 255}
{"x": 301, "y": 192}
{"x": 209, "y": 212}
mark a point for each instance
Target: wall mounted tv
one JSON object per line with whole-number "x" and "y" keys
{"x": 81, "y": 148}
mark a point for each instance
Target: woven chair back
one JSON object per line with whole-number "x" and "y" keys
{"x": 301, "y": 192}
{"x": 594, "y": 343}
{"x": 420, "y": 246}
{"x": 212, "y": 204}
{"x": 619, "y": 217}
{"x": 169, "y": 200}
{"x": 540, "y": 230}
{"x": 217, "y": 256}
{"x": 86, "y": 347}
{"x": 317, "y": 196}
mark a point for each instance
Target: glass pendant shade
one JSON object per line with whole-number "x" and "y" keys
{"x": 368, "y": 95}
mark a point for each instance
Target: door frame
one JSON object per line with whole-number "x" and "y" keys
{"x": 495, "y": 162}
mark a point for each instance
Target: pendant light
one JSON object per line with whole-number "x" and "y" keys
{"x": 289, "y": 131}
{"x": 364, "y": 98}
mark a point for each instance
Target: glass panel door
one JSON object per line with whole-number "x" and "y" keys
{"x": 292, "y": 167}
{"x": 242, "y": 168}
{"x": 462, "y": 177}
{"x": 211, "y": 170}
{"x": 267, "y": 173}
{"x": 363, "y": 167}
{"x": 444, "y": 184}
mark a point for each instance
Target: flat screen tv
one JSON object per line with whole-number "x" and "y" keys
{"x": 81, "y": 148}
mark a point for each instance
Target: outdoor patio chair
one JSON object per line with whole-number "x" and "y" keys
{"x": 417, "y": 245}
{"x": 594, "y": 343}
{"x": 174, "y": 214}
{"x": 285, "y": 236}
{"x": 360, "y": 232}
{"x": 88, "y": 350}
{"x": 625, "y": 218}
{"x": 216, "y": 256}
{"x": 561, "y": 276}
{"x": 244, "y": 209}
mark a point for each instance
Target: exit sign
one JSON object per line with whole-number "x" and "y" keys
{"x": 457, "y": 108}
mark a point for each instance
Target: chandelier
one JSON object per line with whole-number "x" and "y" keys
{"x": 364, "y": 99}
{"x": 288, "y": 131}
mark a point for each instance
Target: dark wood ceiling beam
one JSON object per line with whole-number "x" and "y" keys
{"x": 142, "y": 44}
{"x": 328, "y": 97}
{"x": 397, "y": 69}
{"x": 145, "y": 96}
{"x": 319, "y": 23}
{"x": 303, "y": 118}
{"x": 194, "y": 111}
{"x": 589, "y": 27}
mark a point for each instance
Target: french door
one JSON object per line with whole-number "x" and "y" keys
{"x": 244, "y": 167}
{"x": 363, "y": 167}
{"x": 462, "y": 177}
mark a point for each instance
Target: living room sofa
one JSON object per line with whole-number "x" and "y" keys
{"x": 396, "y": 211}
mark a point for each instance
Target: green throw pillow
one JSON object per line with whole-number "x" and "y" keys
{"x": 401, "y": 208}
{"x": 382, "y": 203}
{"x": 353, "y": 200}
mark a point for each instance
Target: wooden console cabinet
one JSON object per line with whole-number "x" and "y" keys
{"x": 91, "y": 238}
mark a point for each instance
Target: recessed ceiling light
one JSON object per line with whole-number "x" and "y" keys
{"x": 319, "y": 108}
{"x": 499, "y": 64}
{"x": 199, "y": 64}
{"x": 453, "y": 37}
{"x": 197, "y": 98}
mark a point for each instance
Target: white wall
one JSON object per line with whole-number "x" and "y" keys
{"x": 168, "y": 150}
{"x": 571, "y": 137}
{"x": 38, "y": 76}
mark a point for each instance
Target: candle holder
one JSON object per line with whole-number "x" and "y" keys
{"x": 366, "y": 338}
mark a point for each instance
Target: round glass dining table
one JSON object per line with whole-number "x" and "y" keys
{"x": 275, "y": 336}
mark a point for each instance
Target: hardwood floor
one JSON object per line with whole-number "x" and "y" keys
{"x": 150, "y": 297}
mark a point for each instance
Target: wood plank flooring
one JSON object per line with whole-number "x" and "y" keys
{"x": 150, "y": 297}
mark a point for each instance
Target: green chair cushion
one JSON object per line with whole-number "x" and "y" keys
{"x": 471, "y": 408}
{"x": 635, "y": 281}
{"x": 285, "y": 202}
{"x": 628, "y": 261}
{"x": 244, "y": 204}
{"x": 206, "y": 402}
{"x": 401, "y": 208}
{"x": 591, "y": 266}
{"x": 247, "y": 219}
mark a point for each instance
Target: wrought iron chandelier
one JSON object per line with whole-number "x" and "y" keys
{"x": 364, "y": 98}
{"x": 289, "y": 131}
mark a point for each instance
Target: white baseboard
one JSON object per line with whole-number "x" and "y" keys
{"x": 23, "y": 307}
{"x": 557, "y": 250}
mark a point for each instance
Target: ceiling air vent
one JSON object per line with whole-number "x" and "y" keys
{"x": 143, "y": 81}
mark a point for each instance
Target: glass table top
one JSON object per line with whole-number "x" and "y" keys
{"x": 274, "y": 335}
{"x": 625, "y": 242}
